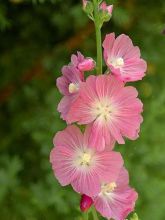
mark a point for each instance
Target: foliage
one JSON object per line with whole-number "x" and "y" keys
{"x": 36, "y": 39}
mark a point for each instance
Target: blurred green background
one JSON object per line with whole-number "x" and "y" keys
{"x": 36, "y": 38}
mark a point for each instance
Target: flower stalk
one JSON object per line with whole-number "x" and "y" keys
{"x": 98, "y": 36}
{"x": 85, "y": 215}
{"x": 94, "y": 213}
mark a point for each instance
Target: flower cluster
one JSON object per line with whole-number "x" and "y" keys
{"x": 106, "y": 111}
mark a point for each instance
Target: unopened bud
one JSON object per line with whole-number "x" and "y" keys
{"x": 84, "y": 2}
{"x": 88, "y": 7}
{"x": 85, "y": 203}
{"x": 105, "y": 7}
{"x": 87, "y": 65}
{"x": 134, "y": 217}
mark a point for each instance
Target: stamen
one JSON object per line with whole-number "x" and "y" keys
{"x": 73, "y": 88}
{"x": 103, "y": 109}
{"x": 86, "y": 158}
{"x": 108, "y": 188}
{"x": 117, "y": 63}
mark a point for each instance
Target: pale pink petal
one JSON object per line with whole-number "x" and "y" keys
{"x": 79, "y": 112}
{"x": 111, "y": 163}
{"x": 87, "y": 134}
{"x": 123, "y": 178}
{"x": 80, "y": 109}
{"x": 123, "y": 203}
{"x": 108, "y": 44}
{"x": 102, "y": 206}
{"x": 88, "y": 184}
{"x": 65, "y": 105}
{"x": 72, "y": 74}
{"x": 117, "y": 135}
{"x": 62, "y": 84}
{"x": 121, "y": 46}
{"x": 88, "y": 89}
{"x": 62, "y": 165}
{"x": 71, "y": 137}
{"x": 108, "y": 86}
{"x": 97, "y": 139}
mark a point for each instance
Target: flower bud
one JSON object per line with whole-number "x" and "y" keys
{"x": 87, "y": 65}
{"x": 108, "y": 8}
{"x": 135, "y": 217}
{"x": 85, "y": 203}
{"x": 88, "y": 7}
{"x": 84, "y": 2}
{"x": 105, "y": 12}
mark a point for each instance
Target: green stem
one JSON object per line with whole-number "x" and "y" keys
{"x": 94, "y": 213}
{"x": 98, "y": 36}
{"x": 86, "y": 216}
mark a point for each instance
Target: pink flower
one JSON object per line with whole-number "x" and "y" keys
{"x": 123, "y": 58}
{"x": 112, "y": 109}
{"x": 85, "y": 203}
{"x": 75, "y": 163}
{"x": 116, "y": 199}
{"x": 106, "y": 7}
{"x": 68, "y": 84}
{"x": 82, "y": 63}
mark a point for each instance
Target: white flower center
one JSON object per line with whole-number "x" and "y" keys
{"x": 107, "y": 188}
{"x": 117, "y": 63}
{"x": 73, "y": 87}
{"x": 84, "y": 158}
{"x": 103, "y": 110}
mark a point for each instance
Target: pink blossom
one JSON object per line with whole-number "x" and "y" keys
{"x": 112, "y": 108}
{"x": 106, "y": 7}
{"x": 123, "y": 58}
{"x": 82, "y": 63}
{"x": 68, "y": 84}
{"x": 116, "y": 199}
{"x": 87, "y": 65}
{"x": 85, "y": 203}
{"x": 75, "y": 163}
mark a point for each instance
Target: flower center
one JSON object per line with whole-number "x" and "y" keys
{"x": 108, "y": 188}
{"x": 118, "y": 62}
{"x": 73, "y": 88}
{"x": 103, "y": 109}
{"x": 85, "y": 159}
